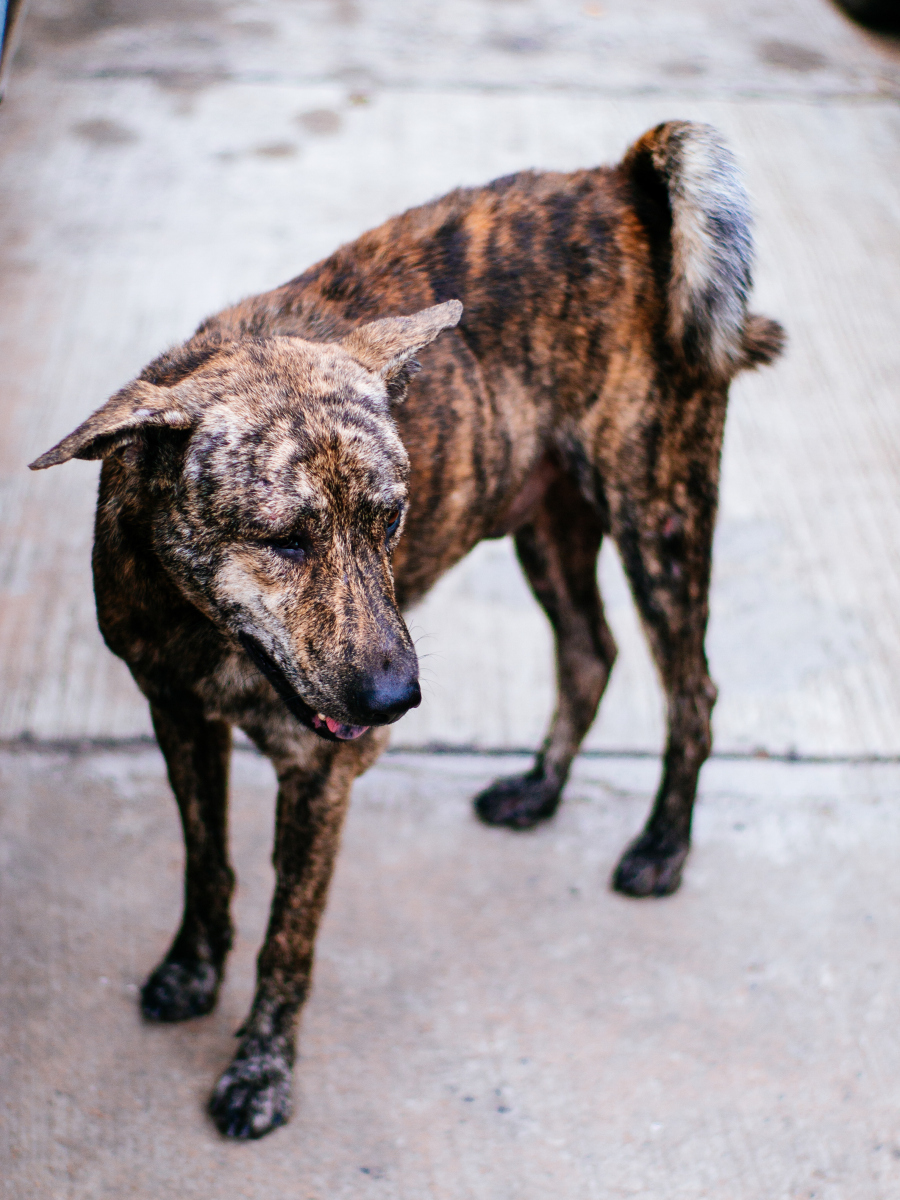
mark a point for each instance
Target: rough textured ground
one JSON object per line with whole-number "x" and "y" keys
{"x": 488, "y": 1020}
{"x": 160, "y": 158}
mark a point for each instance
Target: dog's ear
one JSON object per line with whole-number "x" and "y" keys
{"x": 140, "y": 405}
{"x": 387, "y": 347}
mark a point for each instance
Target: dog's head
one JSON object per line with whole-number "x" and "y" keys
{"x": 276, "y": 488}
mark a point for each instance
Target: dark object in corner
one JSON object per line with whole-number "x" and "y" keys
{"x": 12, "y": 13}
{"x": 883, "y": 15}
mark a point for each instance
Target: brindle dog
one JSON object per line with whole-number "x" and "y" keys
{"x": 275, "y": 491}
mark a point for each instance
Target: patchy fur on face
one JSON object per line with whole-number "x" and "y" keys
{"x": 273, "y": 484}
{"x": 281, "y": 526}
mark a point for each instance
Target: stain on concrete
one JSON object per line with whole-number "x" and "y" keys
{"x": 87, "y": 18}
{"x": 276, "y": 150}
{"x": 345, "y": 12}
{"x": 103, "y": 132}
{"x": 356, "y": 76}
{"x": 257, "y": 29}
{"x": 186, "y": 83}
{"x": 323, "y": 121}
{"x": 518, "y": 43}
{"x": 791, "y": 55}
{"x": 682, "y": 68}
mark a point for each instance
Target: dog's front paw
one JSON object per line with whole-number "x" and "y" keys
{"x": 518, "y": 802}
{"x": 177, "y": 991}
{"x": 651, "y": 866}
{"x": 253, "y": 1097}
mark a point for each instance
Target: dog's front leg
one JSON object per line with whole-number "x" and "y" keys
{"x": 197, "y": 752}
{"x": 254, "y": 1094}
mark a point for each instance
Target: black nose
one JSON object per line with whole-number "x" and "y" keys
{"x": 383, "y": 696}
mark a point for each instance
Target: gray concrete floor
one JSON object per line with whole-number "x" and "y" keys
{"x": 488, "y": 1020}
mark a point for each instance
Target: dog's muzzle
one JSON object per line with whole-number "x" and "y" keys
{"x": 379, "y": 700}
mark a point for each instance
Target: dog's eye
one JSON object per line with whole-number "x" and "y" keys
{"x": 292, "y": 548}
{"x": 393, "y": 521}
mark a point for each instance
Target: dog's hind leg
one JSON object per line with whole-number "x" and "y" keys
{"x": 558, "y": 551}
{"x": 664, "y": 534}
{"x": 253, "y": 1096}
{"x": 197, "y": 751}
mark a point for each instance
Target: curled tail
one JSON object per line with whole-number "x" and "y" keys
{"x": 690, "y": 196}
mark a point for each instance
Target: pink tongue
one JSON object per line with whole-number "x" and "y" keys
{"x": 345, "y": 732}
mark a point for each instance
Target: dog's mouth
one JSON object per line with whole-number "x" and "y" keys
{"x": 344, "y": 733}
{"x": 326, "y": 727}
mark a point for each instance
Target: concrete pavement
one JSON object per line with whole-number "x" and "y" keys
{"x": 133, "y": 208}
{"x": 488, "y": 1020}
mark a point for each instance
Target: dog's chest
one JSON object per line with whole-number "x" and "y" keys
{"x": 234, "y": 691}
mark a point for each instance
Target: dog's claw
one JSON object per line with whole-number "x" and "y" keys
{"x": 253, "y": 1097}
{"x": 518, "y": 802}
{"x": 651, "y": 866}
{"x": 178, "y": 991}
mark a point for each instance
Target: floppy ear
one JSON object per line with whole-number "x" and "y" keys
{"x": 386, "y": 347}
{"x": 140, "y": 405}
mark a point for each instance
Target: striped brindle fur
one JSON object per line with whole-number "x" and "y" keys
{"x": 278, "y": 489}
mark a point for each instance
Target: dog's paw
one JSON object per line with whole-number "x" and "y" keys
{"x": 253, "y": 1097}
{"x": 518, "y": 802}
{"x": 178, "y": 991}
{"x": 650, "y": 866}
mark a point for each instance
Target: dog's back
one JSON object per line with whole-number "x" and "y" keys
{"x": 668, "y": 230}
